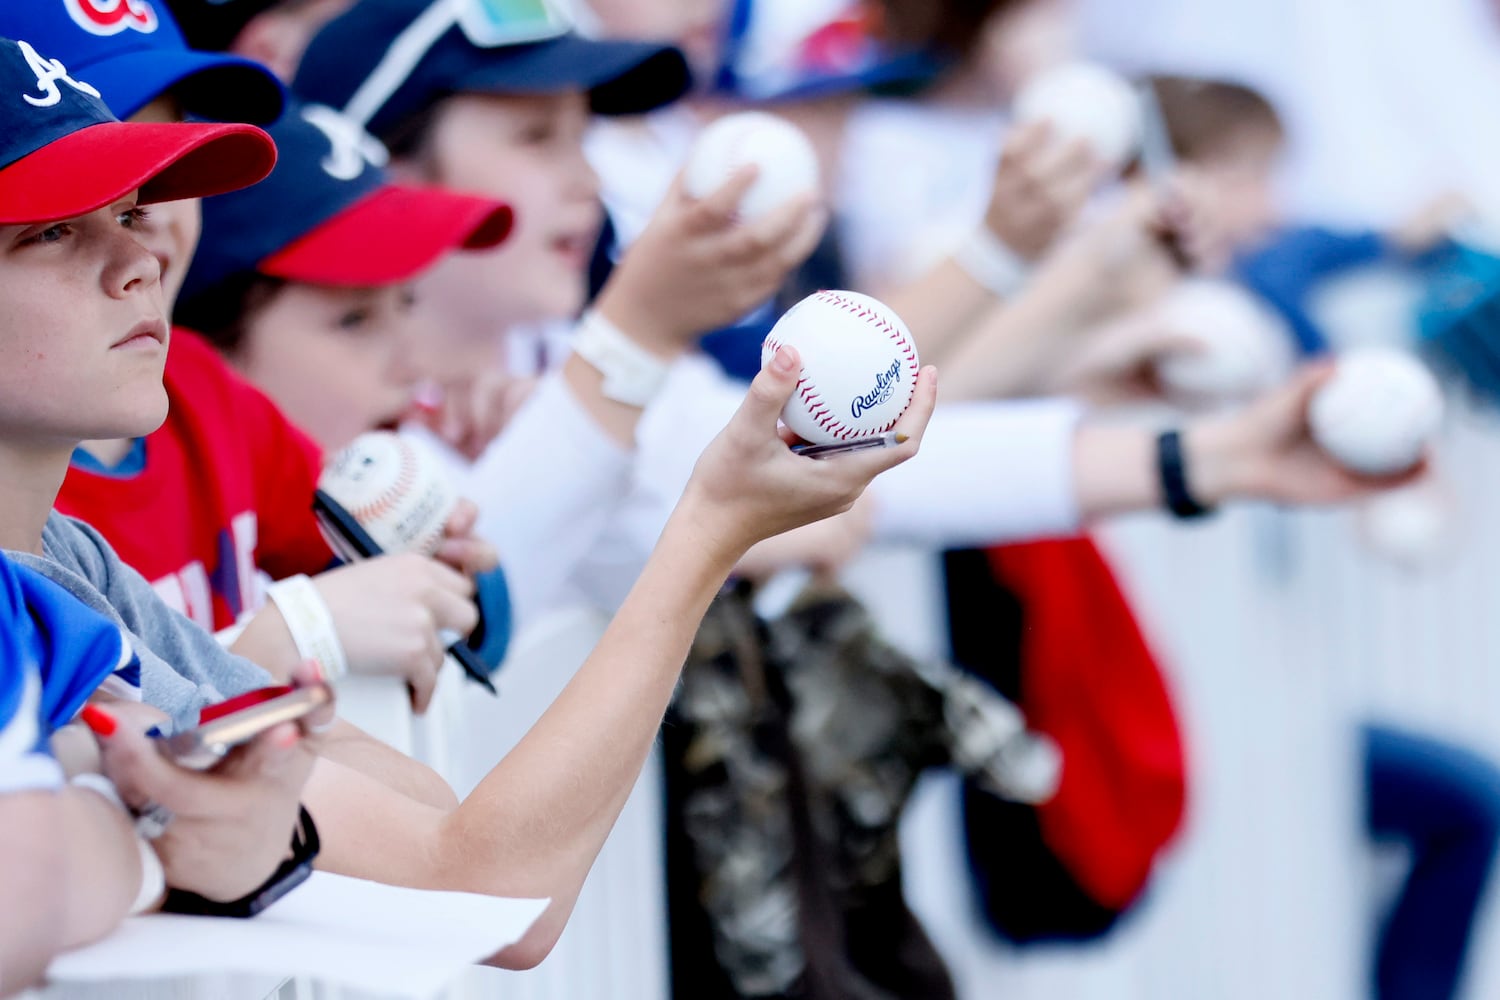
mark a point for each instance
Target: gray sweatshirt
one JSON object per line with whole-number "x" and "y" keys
{"x": 183, "y": 668}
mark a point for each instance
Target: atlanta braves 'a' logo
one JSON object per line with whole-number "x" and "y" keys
{"x": 110, "y": 17}
{"x": 48, "y": 73}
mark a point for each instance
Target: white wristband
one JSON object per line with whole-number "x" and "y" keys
{"x": 632, "y": 374}
{"x": 986, "y": 258}
{"x": 311, "y": 624}
{"x": 153, "y": 876}
{"x": 100, "y": 785}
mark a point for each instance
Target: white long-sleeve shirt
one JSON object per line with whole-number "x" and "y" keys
{"x": 546, "y": 488}
{"x": 987, "y": 472}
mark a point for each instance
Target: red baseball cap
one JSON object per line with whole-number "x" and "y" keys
{"x": 391, "y": 235}
{"x": 63, "y": 154}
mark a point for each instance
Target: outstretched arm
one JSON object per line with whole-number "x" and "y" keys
{"x": 535, "y": 823}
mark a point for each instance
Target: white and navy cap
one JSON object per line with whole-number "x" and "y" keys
{"x": 329, "y": 215}
{"x": 384, "y": 61}
{"x": 63, "y": 154}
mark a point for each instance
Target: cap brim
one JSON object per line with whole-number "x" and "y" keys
{"x": 96, "y": 166}
{"x": 209, "y": 85}
{"x": 621, "y": 78}
{"x": 389, "y": 236}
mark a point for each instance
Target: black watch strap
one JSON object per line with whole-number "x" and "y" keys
{"x": 1172, "y": 468}
{"x": 288, "y": 875}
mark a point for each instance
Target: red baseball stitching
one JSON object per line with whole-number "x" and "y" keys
{"x": 377, "y": 508}
{"x": 817, "y": 409}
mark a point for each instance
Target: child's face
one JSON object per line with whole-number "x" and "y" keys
{"x": 338, "y": 361}
{"x": 82, "y": 331}
{"x": 527, "y": 151}
{"x": 1237, "y": 190}
{"x": 170, "y": 230}
{"x": 1244, "y": 176}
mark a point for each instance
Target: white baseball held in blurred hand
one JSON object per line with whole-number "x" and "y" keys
{"x": 1086, "y": 101}
{"x": 396, "y": 489}
{"x": 859, "y": 366}
{"x": 1378, "y": 412}
{"x": 1242, "y": 347}
{"x": 1413, "y": 526}
{"x": 785, "y": 160}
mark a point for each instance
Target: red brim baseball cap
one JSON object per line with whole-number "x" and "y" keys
{"x": 391, "y": 235}
{"x": 92, "y": 167}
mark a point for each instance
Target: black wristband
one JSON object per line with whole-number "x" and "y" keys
{"x": 288, "y": 875}
{"x": 1171, "y": 466}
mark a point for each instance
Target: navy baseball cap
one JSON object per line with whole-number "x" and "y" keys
{"x": 329, "y": 215}
{"x": 384, "y": 61}
{"x": 132, "y": 51}
{"x": 64, "y": 154}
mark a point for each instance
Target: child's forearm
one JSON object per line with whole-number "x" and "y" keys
{"x": 70, "y": 868}
{"x": 535, "y": 823}
{"x": 266, "y": 642}
{"x": 940, "y": 307}
{"x": 32, "y": 869}
{"x": 1013, "y": 346}
{"x": 103, "y": 864}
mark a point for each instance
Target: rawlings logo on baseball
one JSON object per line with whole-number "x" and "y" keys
{"x": 110, "y": 17}
{"x": 842, "y": 337}
{"x": 885, "y": 385}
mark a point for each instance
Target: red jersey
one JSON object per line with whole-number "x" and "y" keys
{"x": 224, "y": 489}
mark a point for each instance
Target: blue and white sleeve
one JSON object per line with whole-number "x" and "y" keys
{"x": 25, "y": 763}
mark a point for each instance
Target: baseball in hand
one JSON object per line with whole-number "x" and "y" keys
{"x": 1413, "y": 526}
{"x": 1378, "y": 412}
{"x": 859, "y": 366}
{"x": 396, "y": 489}
{"x": 1241, "y": 348}
{"x": 1086, "y": 101}
{"x": 784, "y": 158}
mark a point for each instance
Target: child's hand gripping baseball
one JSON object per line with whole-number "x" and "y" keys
{"x": 1267, "y": 451}
{"x": 697, "y": 267}
{"x": 1043, "y": 180}
{"x": 748, "y": 485}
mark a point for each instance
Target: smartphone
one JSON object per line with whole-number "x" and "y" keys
{"x": 231, "y": 723}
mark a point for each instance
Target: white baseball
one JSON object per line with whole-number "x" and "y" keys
{"x": 859, "y": 366}
{"x": 785, "y": 160}
{"x": 396, "y": 489}
{"x": 1086, "y": 101}
{"x": 1378, "y": 412}
{"x": 1413, "y": 527}
{"x": 1241, "y": 347}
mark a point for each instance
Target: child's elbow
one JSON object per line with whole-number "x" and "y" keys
{"x": 535, "y": 946}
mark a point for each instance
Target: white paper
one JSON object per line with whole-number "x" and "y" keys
{"x": 377, "y": 938}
